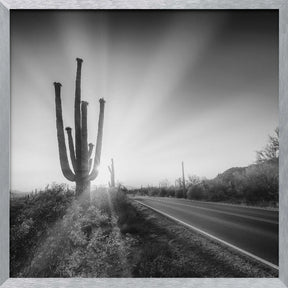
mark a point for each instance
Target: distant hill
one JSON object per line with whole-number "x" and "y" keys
{"x": 231, "y": 172}
{"x": 271, "y": 166}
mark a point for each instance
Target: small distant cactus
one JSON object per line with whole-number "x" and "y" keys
{"x": 112, "y": 174}
{"x": 82, "y": 172}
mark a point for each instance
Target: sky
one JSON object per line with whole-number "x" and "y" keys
{"x": 193, "y": 86}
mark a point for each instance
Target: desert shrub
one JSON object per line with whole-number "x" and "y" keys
{"x": 262, "y": 184}
{"x": 152, "y": 192}
{"x": 69, "y": 244}
{"x": 217, "y": 190}
{"x": 196, "y": 192}
{"x": 127, "y": 216}
{"x": 31, "y": 217}
{"x": 86, "y": 242}
{"x": 179, "y": 193}
{"x": 163, "y": 192}
{"x": 53, "y": 235}
{"x": 171, "y": 192}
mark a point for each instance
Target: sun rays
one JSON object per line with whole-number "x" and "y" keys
{"x": 165, "y": 102}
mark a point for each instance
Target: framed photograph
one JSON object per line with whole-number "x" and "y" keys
{"x": 144, "y": 144}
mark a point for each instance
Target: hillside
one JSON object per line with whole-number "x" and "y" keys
{"x": 234, "y": 172}
{"x": 256, "y": 184}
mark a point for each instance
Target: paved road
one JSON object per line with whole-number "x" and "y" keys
{"x": 253, "y": 230}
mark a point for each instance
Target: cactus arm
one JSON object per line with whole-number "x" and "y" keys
{"x": 90, "y": 150}
{"x": 77, "y": 115}
{"x": 84, "y": 142}
{"x": 60, "y": 136}
{"x": 71, "y": 148}
{"x": 94, "y": 171}
{"x": 90, "y": 161}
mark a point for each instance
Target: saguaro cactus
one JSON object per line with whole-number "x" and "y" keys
{"x": 82, "y": 172}
{"x": 112, "y": 174}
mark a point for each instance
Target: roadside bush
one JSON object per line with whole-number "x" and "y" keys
{"x": 171, "y": 192}
{"x": 163, "y": 192}
{"x": 196, "y": 192}
{"x": 153, "y": 192}
{"x": 217, "y": 191}
{"x": 262, "y": 184}
{"x": 179, "y": 193}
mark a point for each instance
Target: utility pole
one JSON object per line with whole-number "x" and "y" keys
{"x": 183, "y": 179}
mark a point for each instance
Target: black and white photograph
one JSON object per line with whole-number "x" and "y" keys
{"x": 144, "y": 143}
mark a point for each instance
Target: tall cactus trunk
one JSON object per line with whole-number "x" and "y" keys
{"x": 83, "y": 170}
{"x": 77, "y": 115}
{"x": 83, "y": 190}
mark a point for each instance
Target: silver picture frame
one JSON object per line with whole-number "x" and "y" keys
{"x": 5, "y": 7}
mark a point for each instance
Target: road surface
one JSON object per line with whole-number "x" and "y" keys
{"x": 250, "y": 229}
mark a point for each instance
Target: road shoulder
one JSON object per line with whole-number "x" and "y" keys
{"x": 201, "y": 256}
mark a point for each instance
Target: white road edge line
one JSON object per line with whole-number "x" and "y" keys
{"x": 213, "y": 237}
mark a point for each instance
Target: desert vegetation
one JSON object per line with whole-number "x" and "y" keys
{"x": 256, "y": 184}
{"x": 53, "y": 234}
